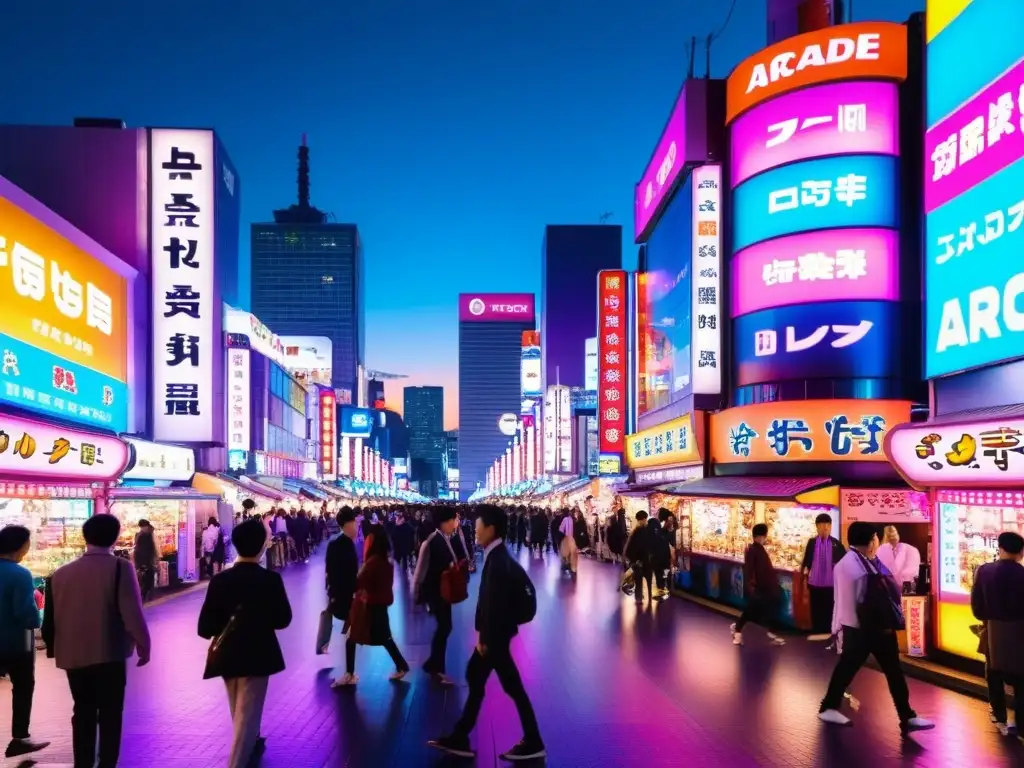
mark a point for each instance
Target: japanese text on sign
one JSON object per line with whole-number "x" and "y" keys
{"x": 766, "y": 342}
{"x": 975, "y": 234}
{"x": 850, "y": 118}
{"x": 846, "y": 190}
{"x": 841, "y": 264}
{"x": 612, "y": 396}
{"x": 35, "y": 449}
{"x": 670, "y": 443}
{"x": 844, "y": 438}
{"x": 706, "y": 345}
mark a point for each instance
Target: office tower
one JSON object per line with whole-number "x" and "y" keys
{"x": 490, "y": 385}
{"x": 451, "y": 448}
{"x": 424, "y": 420}
{"x": 573, "y": 254}
{"x": 308, "y": 280}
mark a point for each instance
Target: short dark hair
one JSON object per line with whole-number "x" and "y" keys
{"x": 248, "y": 504}
{"x": 443, "y": 514}
{"x": 143, "y": 523}
{"x": 249, "y": 538}
{"x": 380, "y": 544}
{"x": 824, "y": 517}
{"x": 1011, "y": 542}
{"x": 861, "y": 533}
{"x": 102, "y": 530}
{"x": 13, "y": 538}
{"x": 664, "y": 514}
{"x": 759, "y": 530}
{"x": 494, "y": 517}
{"x": 641, "y": 515}
{"x": 346, "y": 516}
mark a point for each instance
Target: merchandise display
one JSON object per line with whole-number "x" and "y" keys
{"x": 162, "y": 514}
{"x": 56, "y": 526}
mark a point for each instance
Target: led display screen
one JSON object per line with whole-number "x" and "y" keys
{"x": 850, "y": 339}
{"x": 837, "y": 119}
{"x": 830, "y": 193}
{"x": 831, "y": 265}
{"x": 355, "y": 422}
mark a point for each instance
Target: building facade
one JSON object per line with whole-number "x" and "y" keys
{"x": 490, "y": 357}
{"x": 424, "y": 420}
{"x": 572, "y": 256}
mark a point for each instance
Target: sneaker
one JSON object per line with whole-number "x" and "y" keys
{"x": 345, "y": 681}
{"x": 525, "y": 750}
{"x": 398, "y": 675}
{"x": 442, "y": 679}
{"x": 737, "y": 638}
{"x": 1004, "y": 729}
{"x": 834, "y": 716}
{"x": 732, "y": 627}
{"x": 776, "y": 640}
{"x": 453, "y": 745}
{"x": 19, "y": 747}
{"x": 917, "y": 724}
{"x": 821, "y": 638}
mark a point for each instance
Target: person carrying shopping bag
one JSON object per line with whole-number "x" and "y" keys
{"x": 342, "y": 575}
{"x": 368, "y": 620}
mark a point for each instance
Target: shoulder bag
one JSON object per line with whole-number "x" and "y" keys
{"x": 454, "y": 578}
{"x": 215, "y": 653}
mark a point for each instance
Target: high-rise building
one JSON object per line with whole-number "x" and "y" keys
{"x": 490, "y": 357}
{"x": 424, "y": 420}
{"x": 308, "y": 280}
{"x": 451, "y": 448}
{"x": 572, "y": 256}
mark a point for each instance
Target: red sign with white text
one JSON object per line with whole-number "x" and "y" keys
{"x": 612, "y": 394}
{"x": 328, "y": 440}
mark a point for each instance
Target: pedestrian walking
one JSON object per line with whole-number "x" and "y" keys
{"x": 568, "y": 550}
{"x": 342, "y": 563}
{"x": 146, "y": 558}
{"x": 368, "y": 620}
{"x": 19, "y": 618}
{"x": 437, "y": 563}
{"x": 821, "y": 555}
{"x": 93, "y": 623}
{"x": 761, "y": 585}
{"x": 639, "y": 553}
{"x": 617, "y": 534}
{"x": 214, "y": 549}
{"x": 244, "y": 608}
{"x": 868, "y": 613}
{"x": 504, "y": 603}
{"x": 997, "y": 600}
{"x": 404, "y": 541}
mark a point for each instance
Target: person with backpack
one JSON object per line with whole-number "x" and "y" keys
{"x": 507, "y": 599}
{"x": 868, "y": 613}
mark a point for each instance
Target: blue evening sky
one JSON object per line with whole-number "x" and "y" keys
{"x": 451, "y": 131}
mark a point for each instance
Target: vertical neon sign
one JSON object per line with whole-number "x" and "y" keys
{"x": 612, "y": 366}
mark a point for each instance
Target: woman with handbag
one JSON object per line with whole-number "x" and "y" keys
{"x": 368, "y": 622}
{"x": 436, "y": 584}
{"x": 244, "y": 607}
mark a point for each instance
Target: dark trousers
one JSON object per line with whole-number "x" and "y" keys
{"x": 98, "y": 695}
{"x": 396, "y": 655}
{"x": 822, "y": 603}
{"x": 997, "y": 682}
{"x": 857, "y": 646}
{"x": 442, "y": 613}
{"x": 659, "y": 578}
{"x": 21, "y": 668}
{"x": 497, "y": 659}
{"x": 147, "y": 580}
{"x": 642, "y": 573}
{"x": 405, "y": 560}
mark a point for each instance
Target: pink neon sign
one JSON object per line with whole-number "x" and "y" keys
{"x": 826, "y": 266}
{"x": 978, "y": 140}
{"x": 839, "y": 119}
{"x": 496, "y": 307}
{"x": 38, "y": 450}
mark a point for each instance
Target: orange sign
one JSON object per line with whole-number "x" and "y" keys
{"x": 863, "y": 51}
{"x": 58, "y": 298}
{"x": 805, "y": 430}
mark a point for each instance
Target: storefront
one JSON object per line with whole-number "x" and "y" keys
{"x": 52, "y": 479}
{"x": 234, "y": 491}
{"x": 669, "y": 453}
{"x": 155, "y": 487}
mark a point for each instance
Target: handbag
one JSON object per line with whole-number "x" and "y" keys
{"x": 454, "y": 578}
{"x": 215, "y": 653}
{"x": 359, "y": 618}
{"x": 323, "y": 632}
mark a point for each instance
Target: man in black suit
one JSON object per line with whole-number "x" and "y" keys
{"x": 436, "y": 555}
{"x": 342, "y": 570}
{"x": 496, "y": 627}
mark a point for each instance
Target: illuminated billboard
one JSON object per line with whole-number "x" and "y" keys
{"x": 496, "y": 307}
{"x": 874, "y": 50}
{"x": 612, "y": 393}
{"x": 355, "y": 422}
{"x": 44, "y": 452}
{"x": 530, "y": 366}
{"x": 590, "y": 365}
{"x": 64, "y": 322}
{"x": 682, "y": 142}
{"x": 239, "y": 406}
{"x": 831, "y": 265}
{"x": 837, "y": 119}
{"x": 308, "y": 358}
{"x": 829, "y": 193}
{"x": 843, "y": 339}
{"x": 261, "y": 338}
{"x": 186, "y": 335}
{"x": 705, "y": 340}
{"x": 328, "y": 426}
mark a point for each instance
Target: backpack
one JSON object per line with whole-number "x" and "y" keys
{"x": 522, "y": 599}
{"x": 880, "y": 611}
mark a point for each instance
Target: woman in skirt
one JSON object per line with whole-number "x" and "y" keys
{"x": 368, "y": 620}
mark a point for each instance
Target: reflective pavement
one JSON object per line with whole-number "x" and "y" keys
{"x": 612, "y": 685}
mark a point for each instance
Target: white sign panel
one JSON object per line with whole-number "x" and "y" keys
{"x": 185, "y": 338}
{"x": 261, "y": 338}
{"x": 508, "y": 423}
{"x": 167, "y": 463}
{"x": 590, "y": 365}
{"x": 239, "y": 393}
{"x": 706, "y": 347}
{"x": 564, "y": 428}
{"x": 308, "y": 358}
{"x": 550, "y": 444}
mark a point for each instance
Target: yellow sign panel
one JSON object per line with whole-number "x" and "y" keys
{"x": 673, "y": 442}
{"x": 939, "y": 14}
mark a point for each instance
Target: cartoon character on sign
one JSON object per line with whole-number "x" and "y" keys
{"x": 963, "y": 454}
{"x": 10, "y": 363}
{"x": 999, "y": 443}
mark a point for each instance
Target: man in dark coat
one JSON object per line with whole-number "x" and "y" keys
{"x": 436, "y": 555}
{"x": 342, "y": 566}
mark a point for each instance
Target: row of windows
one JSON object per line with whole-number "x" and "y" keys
{"x": 280, "y": 441}
{"x": 822, "y": 389}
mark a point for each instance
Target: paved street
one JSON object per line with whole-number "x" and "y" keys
{"x": 613, "y": 686}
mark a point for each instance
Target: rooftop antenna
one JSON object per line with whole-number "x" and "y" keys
{"x": 303, "y": 174}
{"x": 603, "y": 218}
{"x": 693, "y": 51}
{"x": 707, "y": 61}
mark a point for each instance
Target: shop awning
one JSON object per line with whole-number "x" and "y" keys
{"x": 264, "y": 490}
{"x": 765, "y": 488}
{"x": 976, "y": 415}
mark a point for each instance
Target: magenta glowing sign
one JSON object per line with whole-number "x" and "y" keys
{"x": 839, "y": 119}
{"x": 37, "y": 450}
{"x": 978, "y": 140}
{"x": 683, "y": 141}
{"x": 825, "y": 266}
{"x": 496, "y": 307}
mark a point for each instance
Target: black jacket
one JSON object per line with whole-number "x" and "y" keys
{"x": 258, "y": 599}
{"x": 838, "y": 552}
{"x": 342, "y": 569}
{"x": 998, "y": 593}
{"x": 435, "y": 557}
{"x": 640, "y": 546}
{"x": 493, "y": 621}
{"x": 403, "y": 538}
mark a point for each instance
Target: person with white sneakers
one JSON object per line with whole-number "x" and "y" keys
{"x": 868, "y": 613}
{"x": 761, "y": 584}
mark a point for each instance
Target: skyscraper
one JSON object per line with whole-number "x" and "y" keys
{"x": 490, "y": 356}
{"x": 308, "y": 280}
{"x": 573, "y": 254}
{"x": 424, "y": 421}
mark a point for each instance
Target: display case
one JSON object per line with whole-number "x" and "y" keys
{"x": 720, "y": 527}
{"x": 789, "y": 527}
{"x": 56, "y": 527}
{"x": 162, "y": 514}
